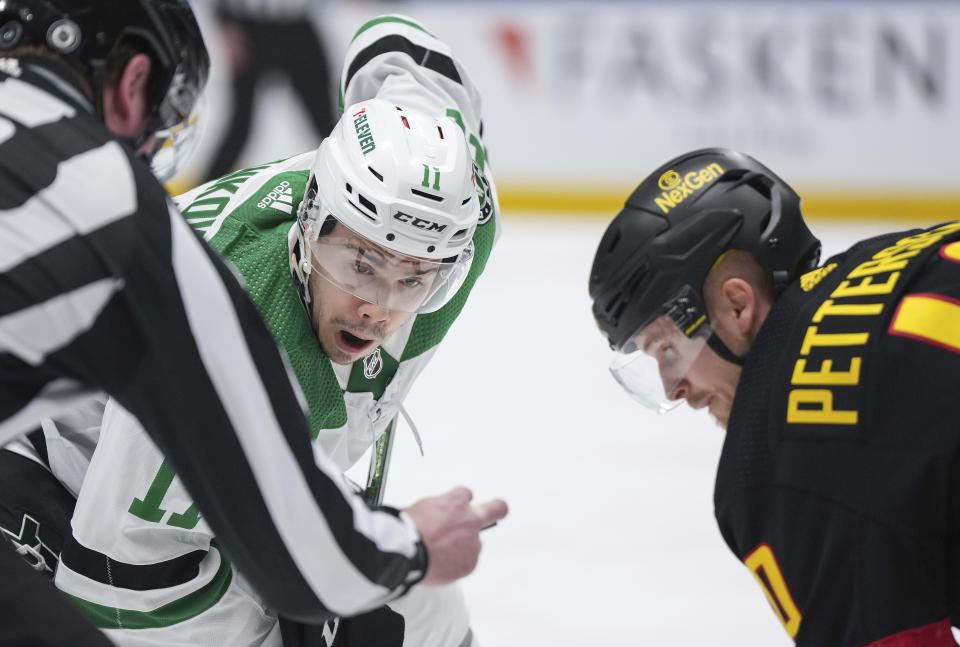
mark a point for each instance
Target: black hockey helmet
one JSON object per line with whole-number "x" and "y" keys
{"x": 675, "y": 226}
{"x": 85, "y": 32}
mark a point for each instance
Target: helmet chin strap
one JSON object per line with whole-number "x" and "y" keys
{"x": 135, "y": 144}
{"x": 300, "y": 266}
{"x": 717, "y": 345}
{"x": 138, "y": 143}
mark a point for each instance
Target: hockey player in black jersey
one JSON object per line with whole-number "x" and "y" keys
{"x": 837, "y": 383}
{"x": 104, "y": 288}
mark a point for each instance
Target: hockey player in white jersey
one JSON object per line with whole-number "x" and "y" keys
{"x": 359, "y": 256}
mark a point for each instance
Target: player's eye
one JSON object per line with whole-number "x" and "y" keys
{"x": 667, "y": 351}
{"x": 362, "y": 268}
{"x": 411, "y": 282}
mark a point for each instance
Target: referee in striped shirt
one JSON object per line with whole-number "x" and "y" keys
{"x": 104, "y": 288}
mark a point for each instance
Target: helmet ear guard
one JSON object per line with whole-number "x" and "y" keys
{"x": 300, "y": 266}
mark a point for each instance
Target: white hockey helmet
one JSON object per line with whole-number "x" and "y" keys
{"x": 403, "y": 181}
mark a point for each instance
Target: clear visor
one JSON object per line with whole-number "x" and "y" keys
{"x": 175, "y": 145}
{"x": 652, "y": 374}
{"x": 384, "y": 277}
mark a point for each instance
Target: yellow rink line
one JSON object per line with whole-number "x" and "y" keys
{"x": 604, "y": 203}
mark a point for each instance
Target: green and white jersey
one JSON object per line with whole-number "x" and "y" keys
{"x": 168, "y": 583}
{"x": 247, "y": 217}
{"x": 174, "y": 584}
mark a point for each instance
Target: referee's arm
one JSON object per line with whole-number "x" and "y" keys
{"x": 306, "y": 542}
{"x": 130, "y": 301}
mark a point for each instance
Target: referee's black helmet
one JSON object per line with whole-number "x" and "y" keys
{"x": 85, "y": 32}
{"x": 679, "y": 221}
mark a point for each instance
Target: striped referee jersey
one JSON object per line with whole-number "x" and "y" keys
{"x": 105, "y": 288}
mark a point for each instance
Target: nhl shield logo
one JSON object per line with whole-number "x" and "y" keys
{"x": 372, "y": 365}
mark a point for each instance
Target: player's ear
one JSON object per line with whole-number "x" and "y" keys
{"x": 125, "y": 100}
{"x": 738, "y": 307}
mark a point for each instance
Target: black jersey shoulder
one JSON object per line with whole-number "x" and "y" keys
{"x": 831, "y": 404}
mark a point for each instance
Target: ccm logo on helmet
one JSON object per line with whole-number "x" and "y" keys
{"x": 677, "y": 189}
{"x": 364, "y": 136}
{"x": 419, "y": 223}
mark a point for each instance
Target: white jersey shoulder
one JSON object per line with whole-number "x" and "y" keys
{"x": 396, "y": 58}
{"x": 134, "y": 512}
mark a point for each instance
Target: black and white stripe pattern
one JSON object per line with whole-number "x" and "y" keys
{"x": 104, "y": 287}
{"x": 430, "y": 59}
{"x": 139, "y": 577}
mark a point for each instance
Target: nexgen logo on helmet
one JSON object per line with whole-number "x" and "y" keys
{"x": 669, "y": 180}
{"x": 364, "y": 135}
{"x": 652, "y": 261}
{"x": 676, "y": 190}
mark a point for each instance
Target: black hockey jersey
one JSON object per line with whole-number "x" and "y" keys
{"x": 839, "y": 482}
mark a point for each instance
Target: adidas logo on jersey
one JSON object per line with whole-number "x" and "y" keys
{"x": 280, "y": 198}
